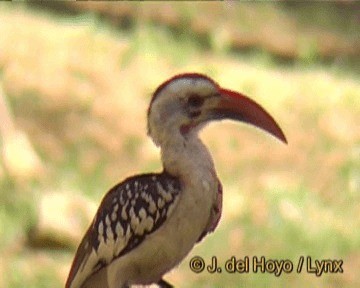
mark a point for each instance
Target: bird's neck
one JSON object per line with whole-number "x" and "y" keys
{"x": 187, "y": 158}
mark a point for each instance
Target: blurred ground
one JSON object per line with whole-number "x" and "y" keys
{"x": 76, "y": 82}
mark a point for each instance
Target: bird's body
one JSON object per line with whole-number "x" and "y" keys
{"x": 166, "y": 246}
{"x": 147, "y": 224}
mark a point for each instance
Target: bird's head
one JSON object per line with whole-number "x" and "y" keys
{"x": 186, "y": 102}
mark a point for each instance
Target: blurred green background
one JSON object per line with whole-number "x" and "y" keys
{"x": 75, "y": 82}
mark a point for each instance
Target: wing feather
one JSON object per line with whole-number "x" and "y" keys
{"x": 128, "y": 213}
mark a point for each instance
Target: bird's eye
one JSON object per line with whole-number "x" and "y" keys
{"x": 195, "y": 100}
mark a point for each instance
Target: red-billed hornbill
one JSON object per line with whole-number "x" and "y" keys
{"x": 147, "y": 224}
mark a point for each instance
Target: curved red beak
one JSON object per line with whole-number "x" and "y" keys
{"x": 236, "y": 106}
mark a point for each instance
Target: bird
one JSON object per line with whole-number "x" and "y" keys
{"x": 147, "y": 224}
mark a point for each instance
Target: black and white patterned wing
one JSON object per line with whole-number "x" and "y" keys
{"x": 128, "y": 213}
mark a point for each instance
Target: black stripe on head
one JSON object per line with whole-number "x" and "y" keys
{"x": 193, "y": 76}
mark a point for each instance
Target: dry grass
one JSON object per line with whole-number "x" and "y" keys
{"x": 80, "y": 94}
